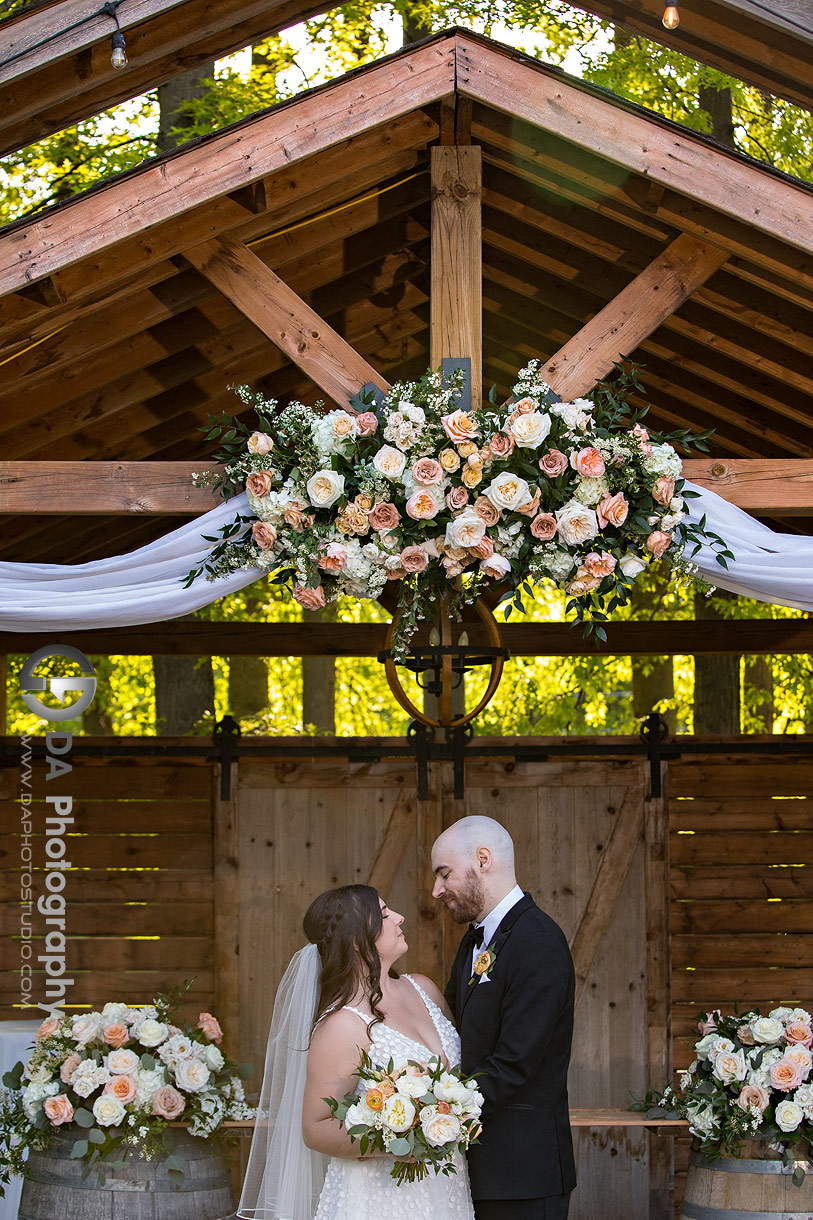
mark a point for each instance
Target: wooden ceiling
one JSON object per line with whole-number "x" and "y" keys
{"x": 112, "y": 346}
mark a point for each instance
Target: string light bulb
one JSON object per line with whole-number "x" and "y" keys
{"x": 671, "y": 17}
{"x": 118, "y": 55}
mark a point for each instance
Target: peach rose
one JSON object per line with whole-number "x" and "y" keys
{"x": 333, "y": 558}
{"x": 49, "y": 1026}
{"x": 753, "y": 1095}
{"x": 450, "y": 460}
{"x": 427, "y": 471}
{"x": 599, "y": 564}
{"x": 485, "y": 509}
{"x": 796, "y": 1052}
{"x": 553, "y": 463}
{"x": 452, "y": 567}
{"x": 422, "y": 506}
{"x": 543, "y": 527}
{"x": 308, "y": 598}
{"x": 58, "y": 1109}
{"x": 612, "y": 510}
{"x": 467, "y": 448}
{"x": 459, "y": 426}
{"x": 396, "y": 573}
{"x": 384, "y": 516}
{"x": 168, "y": 1102}
{"x": 643, "y": 436}
{"x": 786, "y": 1075}
{"x": 799, "y": 1031}
{"x": 414, "y": 559}
{"x": 529, "y": 507}
{"x": 663, "y": 490}
{"x": 115, "y": 1035}
{"x": 524, "y": 407}
{"x": 294, "y": 515}
{"x": 658, "y": 542}
{"x": 501, "y": 444}
{"x": 588, "y": 462}
{"x": 386, "y": 1088}
{"x": 366, "y": 422}
{"x": 457, "y": 497}
{"x": 264, "y": 535}
{"x": 259, "y": 483}
{"x": 210, "y": 1026}
{"x": 472, "y": 476}
{"x": 122, "y": 1087}
{"x": 496, "y": 565}
{"x": 484, "y": 548}
{"x": 260, "y": 442}
{"x": 69, "y": 1067}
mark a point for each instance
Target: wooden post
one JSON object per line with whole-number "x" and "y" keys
{"x": 226, "y": 895}
{"x": 659, "y": 983}
{"x": 456, "y": 309}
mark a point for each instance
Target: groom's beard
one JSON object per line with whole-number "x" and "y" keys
{"x": 467, "y": 904}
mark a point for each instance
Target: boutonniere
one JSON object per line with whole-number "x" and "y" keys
{"x": 483, "y": 966}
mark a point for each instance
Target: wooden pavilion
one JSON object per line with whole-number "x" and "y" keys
{"x": 455, "y": 199}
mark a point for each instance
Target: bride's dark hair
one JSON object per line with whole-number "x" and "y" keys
{"x": 344, "y": 924}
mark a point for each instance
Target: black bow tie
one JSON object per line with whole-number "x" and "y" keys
{"x": 476, "y": 934}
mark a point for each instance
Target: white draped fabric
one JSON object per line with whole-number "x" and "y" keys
{"x": 145, "y": 585}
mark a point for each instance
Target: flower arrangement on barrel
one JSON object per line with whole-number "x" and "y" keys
{"x": 750, "y": 1080}
{"x": 447, "y": 502}
{"x": 119, "y": 1077}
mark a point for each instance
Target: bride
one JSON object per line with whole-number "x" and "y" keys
{"x": 340, "y": 996}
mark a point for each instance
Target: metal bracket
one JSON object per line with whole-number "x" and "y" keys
{"x": 449, "y": 365}
{"x": 654, "y": 733}
{"x": 458, "y": 738}
{"x": 225, "y": 739}
{"x": 421, "y": 737}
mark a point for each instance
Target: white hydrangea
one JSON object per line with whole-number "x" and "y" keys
{"x": 663, "y": 461}
{"x": 88, "y": 1076}
{"x": 115, "y": 1014}
{"x": 804, "y": 1098}
{"x": 33, "y": 1096}
{"x": 209, "y": 1114}
{"x": 402, "y": 431}
{"x": 556, "y": 562}
{"x": 148, "y": 1080}
{"x": 334, "y": 431}
{"x": 590, "y": 490}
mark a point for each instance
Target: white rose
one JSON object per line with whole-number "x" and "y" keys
{"x": 571, "y": 413}
{"x": 701, "y": 1121}
{"x": 398, "y": 1113}
{"x": 788, "y": 1115}
{"x": 576, "y": 523}
{"x": 530, "y": 430}
{"x": 213, "y": 1058}
{"x": 152, "y": 1033}
{"x": 466, "y": 530}
{"x": 767, "y": 1029}
{"x": 147, "y": 1082}
{"x": 122, "y": 1062}
{"x": 722, "y": 1046}
{"x": 360, "y": 1115}
{"x": 38, "y": 1075}
{"x": 706, "y": 1046}
{"x": 389, "y": 462}
{"x": 508, "y": 490}
{"x": 114, "y": 1014}
{"x": 108, "y": 1110}
{"x": 192, "y": 1075}
{"x": 804, "y": 1098}
{"x": 413, "y": 1086}
{"x": 632, "y": 565}
{"x": 324, "y": 488}
{"x": 260, "y": 443}
{"x": 440, "y": 1129}
{"x": 729, "y": 1067}
{"x": 85, "y": 1028}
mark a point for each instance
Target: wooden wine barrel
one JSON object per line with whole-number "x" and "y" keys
{"x": 753, "y": 1186}
{"x": 141, "y": 1190}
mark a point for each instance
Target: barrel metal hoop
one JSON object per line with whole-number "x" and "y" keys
{"x": 694, "y": 1211}
{"x": 741, "y": 1165}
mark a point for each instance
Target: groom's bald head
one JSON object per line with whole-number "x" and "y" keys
{"x": 473, "y": 864}
{"x": 469, "y": 834}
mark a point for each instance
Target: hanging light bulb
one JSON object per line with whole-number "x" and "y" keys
{"x": 118, "y": 57}
{"x": 671, "y": 17}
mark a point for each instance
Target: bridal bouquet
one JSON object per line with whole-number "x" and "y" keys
{"x": 440, "y": 500}
{"x": 118, "y": 1077}
{"x": 419, "y": 1110}
{"x": 751, "y": 1079}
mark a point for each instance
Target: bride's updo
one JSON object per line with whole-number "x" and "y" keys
{"x": 345, "y": 924}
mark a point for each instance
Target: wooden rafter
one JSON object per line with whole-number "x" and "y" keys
{"x": 456, "y": 319}
{"x": 323, "y": 355}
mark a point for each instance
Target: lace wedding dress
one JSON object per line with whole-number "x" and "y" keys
{"x": 360, "y": 1190}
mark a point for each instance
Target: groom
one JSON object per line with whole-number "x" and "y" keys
{"x": 511, "y": 992}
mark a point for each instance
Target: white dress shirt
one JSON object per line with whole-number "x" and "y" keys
{"x": 493, "y": 920}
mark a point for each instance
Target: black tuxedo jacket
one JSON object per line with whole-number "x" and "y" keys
{"x": 515, "y": 1032}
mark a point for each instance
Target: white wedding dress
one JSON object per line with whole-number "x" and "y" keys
{"x": 360, "y": 1190}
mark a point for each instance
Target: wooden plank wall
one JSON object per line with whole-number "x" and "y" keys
{"x": 139, "y": 893}
{"x": 741, "y": 849}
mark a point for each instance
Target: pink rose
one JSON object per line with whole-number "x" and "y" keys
{"x": 430, "y": 545}
{"x": 123, "y": 1088}
{"x": 333, "y": 558}
{"x": 366, "y": 422}
{"x": 264, "y": 535}
{"x": 427, "y": 471}
{"x": 799, "y": 1032}
{"x": 260, "y": 442}
{"x": 663, "y": 490}
{"x": 384, "y": 516}
{"x": 599, "y": 564}
{"x": 414, "y": 559}
{"x": 422, "y": 506}
{"x": 452, "y": 567}
{"x": 495, "y": 565}
{"x": 49, "y": 1026}
{"x": 643, "y": 436}
{"x": 612, "y": 510}
{"x": 486, "y": 510}
{"x": 658, "y": 542}
{"x": 588, "y": 462}
{"x": 710, "y": 1024}
{"x": 744, "y": 1033}
{"x": 543, "y": 527}
{"x": 457, "y": 497}
{"x": 116, "y": 1034}
{"x": 484, "y": 548}
{"x": 69, "y": 1067}
{"x": 753, "y": 1095}
{"x": 786, "y": 1075}
{"x": 553, "y": 463}
{"x": 209, "y": 1024}
{"x": 583, "y": 582}
{"x": 396, "y": 573}
{"x": 167, "y": 1102}
{"x": 524, "y": 407}
{"x": 308, "y": 598}
{"x": 530, "y": 506}
{"x": 58, "y": 1109}
{"x": 459, "y": 426}
{"x": 294, "y": 515}
{"x": 259, "y": 483}
{"x": 501, "y": 444}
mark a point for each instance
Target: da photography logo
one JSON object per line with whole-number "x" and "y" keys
{"x": 58, "y": 686}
